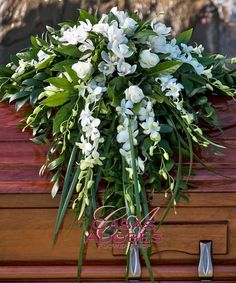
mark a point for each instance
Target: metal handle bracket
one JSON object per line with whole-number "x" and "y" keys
{"x": 205, "y": 266}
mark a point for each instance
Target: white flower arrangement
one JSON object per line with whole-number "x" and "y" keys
{"x": 118, "y": 100}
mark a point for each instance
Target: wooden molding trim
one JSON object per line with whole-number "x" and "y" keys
{"x": 109, "y": 272}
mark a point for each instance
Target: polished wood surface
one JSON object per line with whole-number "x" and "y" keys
{"x": 27, "y": 216}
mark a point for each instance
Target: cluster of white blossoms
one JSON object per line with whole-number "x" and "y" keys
{"x": 119, "y": 48}
{"x": 170, "y": 86}
{"x": 91, "y": 137}
{"x": 130, "y": 122}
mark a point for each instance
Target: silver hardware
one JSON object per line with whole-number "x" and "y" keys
{"x": 134, "y": 263}
{"x": 205, "y": 267}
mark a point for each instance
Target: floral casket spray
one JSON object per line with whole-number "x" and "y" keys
{"x": 120, "y": 102}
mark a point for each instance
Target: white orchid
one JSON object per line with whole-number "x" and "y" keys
{"x": 115, "y": 34}
{"x": 170, "y": 86}
{"x": 125, "y": 108}
{"x": 146, "y": 111}
{"x": 128, "y": 24}
{"x": 125, "y": 68}
{"x": 87, "y": 45}
{"x": 152, "y": 128}
{"x": 107, "y": 67}
{"x": 121, "y": 50}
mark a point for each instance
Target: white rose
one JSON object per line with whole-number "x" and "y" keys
{"x": 82, "y": 69}
{"x": 147, "y": 59}
{"x": 161, "y": 29}
{"x": 101, "y": 28}
{"x": 134, "y": 94}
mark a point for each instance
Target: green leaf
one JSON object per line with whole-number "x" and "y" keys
{"x": 56, "y": 99}
{"x": 72, "y": 74}
{"x": 34, "y": 95}
{"x": 56, "y": 162}
{"x": 185, "y": 36}
{"x": 165, "y": 128}
{"x": 84, "y": 15}
{"x": 70, "y": 50}
{"x": 21, "y": 103}
{"x": 65, "y": 203}
{"x": 60, "y": 66}
{"x": 144, "y": 33}
{"x": 32, "y": 82}
{"x": 62, "y": 114}
{"x": 202, "y": 100}
{"x": 62, "y": 83}
{"x": 165, "y": 68}
{"x": 5, "y": 72}
{"x": 41, "y": 76}
{"x": 45, "y": 63}
{"x": 19, "y": 95}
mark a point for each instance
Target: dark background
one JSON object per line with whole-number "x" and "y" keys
{"x": 213, "y": 21}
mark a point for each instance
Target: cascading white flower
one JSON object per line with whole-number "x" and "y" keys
{"x": 170, "y": 86}
{"x": 125, "y": 68}
{"x": 146, "y": 110}
{"x": 125, "y": 108}
{"x": 151, "y": 128}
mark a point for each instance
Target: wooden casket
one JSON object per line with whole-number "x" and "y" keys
{"x": 27, "y": 218}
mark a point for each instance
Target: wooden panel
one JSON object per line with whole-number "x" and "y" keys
{"x": 113, "y": 273}
{"x": 27, "y": 216}
{"x": 185, "y": 238}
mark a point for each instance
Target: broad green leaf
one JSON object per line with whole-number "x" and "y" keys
{"x": 32, "y": 82}
{"x": 70, "y": 50}
{"x": 62, "y": 114}
{"x": 165, "y": 68}
{"x": 144, "y": 34}
{"x": 60, "y": 66}
{"x": 196, "y": 78}
{"x": 19, "y": 95}
{"x": 27, "y": 55}
{"x": 41, "y": 76}
{"x": 20, "y": 103}
{"x": 56, "y": 99}
{"x": 45, "y": 63}
{"x": 62, "y": 83}
{"x": 185, "y": 36}
{"x": 34, "y": 95}
{"x": 72, "y": 74}
{"x": 84, "y": 15}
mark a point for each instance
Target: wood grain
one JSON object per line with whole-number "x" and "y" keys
{"x": 27, "y": 216}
